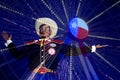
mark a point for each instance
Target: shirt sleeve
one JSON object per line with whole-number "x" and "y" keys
{"x": 77, "y": 50}
{"x": 8, "y": 42}
{"x": 23, "y": 51}
{"x": 93, "y": 48}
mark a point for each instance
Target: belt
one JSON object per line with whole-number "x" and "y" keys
{"x": 43, "y": 70}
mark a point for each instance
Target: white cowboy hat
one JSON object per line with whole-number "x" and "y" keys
{"x": 49, "y": 22}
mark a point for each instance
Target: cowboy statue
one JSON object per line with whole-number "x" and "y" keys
{"x": 43, "y": 54}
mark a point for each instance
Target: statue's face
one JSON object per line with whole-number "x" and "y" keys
{"x": 45, "y": 31}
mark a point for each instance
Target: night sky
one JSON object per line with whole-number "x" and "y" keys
{"x": 18, "y": 17}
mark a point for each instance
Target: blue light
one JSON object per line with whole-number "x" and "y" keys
{"x": 78, "y": 27}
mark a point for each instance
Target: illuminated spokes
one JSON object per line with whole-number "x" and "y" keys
{"x": 31, "y": 8}
{"x": 104, "y": 59}
{"x": 103, "y": 12}
{"x": 87, "y": 66}
{"x": 65, "y": 11}
{"x": 78, "y": 8}
{"x": 52, "y": 12}
{"x": 16, "y": 12}
{"x": 102, "y": 37}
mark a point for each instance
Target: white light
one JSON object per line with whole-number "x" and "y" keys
{"x": 103, "y": 11}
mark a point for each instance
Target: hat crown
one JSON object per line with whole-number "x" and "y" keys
{"x": 49, "y": 22}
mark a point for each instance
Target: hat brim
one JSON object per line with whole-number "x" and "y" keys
{"x": 49, "y": 22}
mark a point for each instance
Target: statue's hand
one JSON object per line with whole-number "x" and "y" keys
{"x": 100, "y": 46}
{"x": 6, "y": 36}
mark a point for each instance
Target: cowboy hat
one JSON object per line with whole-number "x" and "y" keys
{"x": 49, "y": 22}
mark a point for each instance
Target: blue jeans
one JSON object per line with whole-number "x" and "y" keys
{"x": 47, "y": 76}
